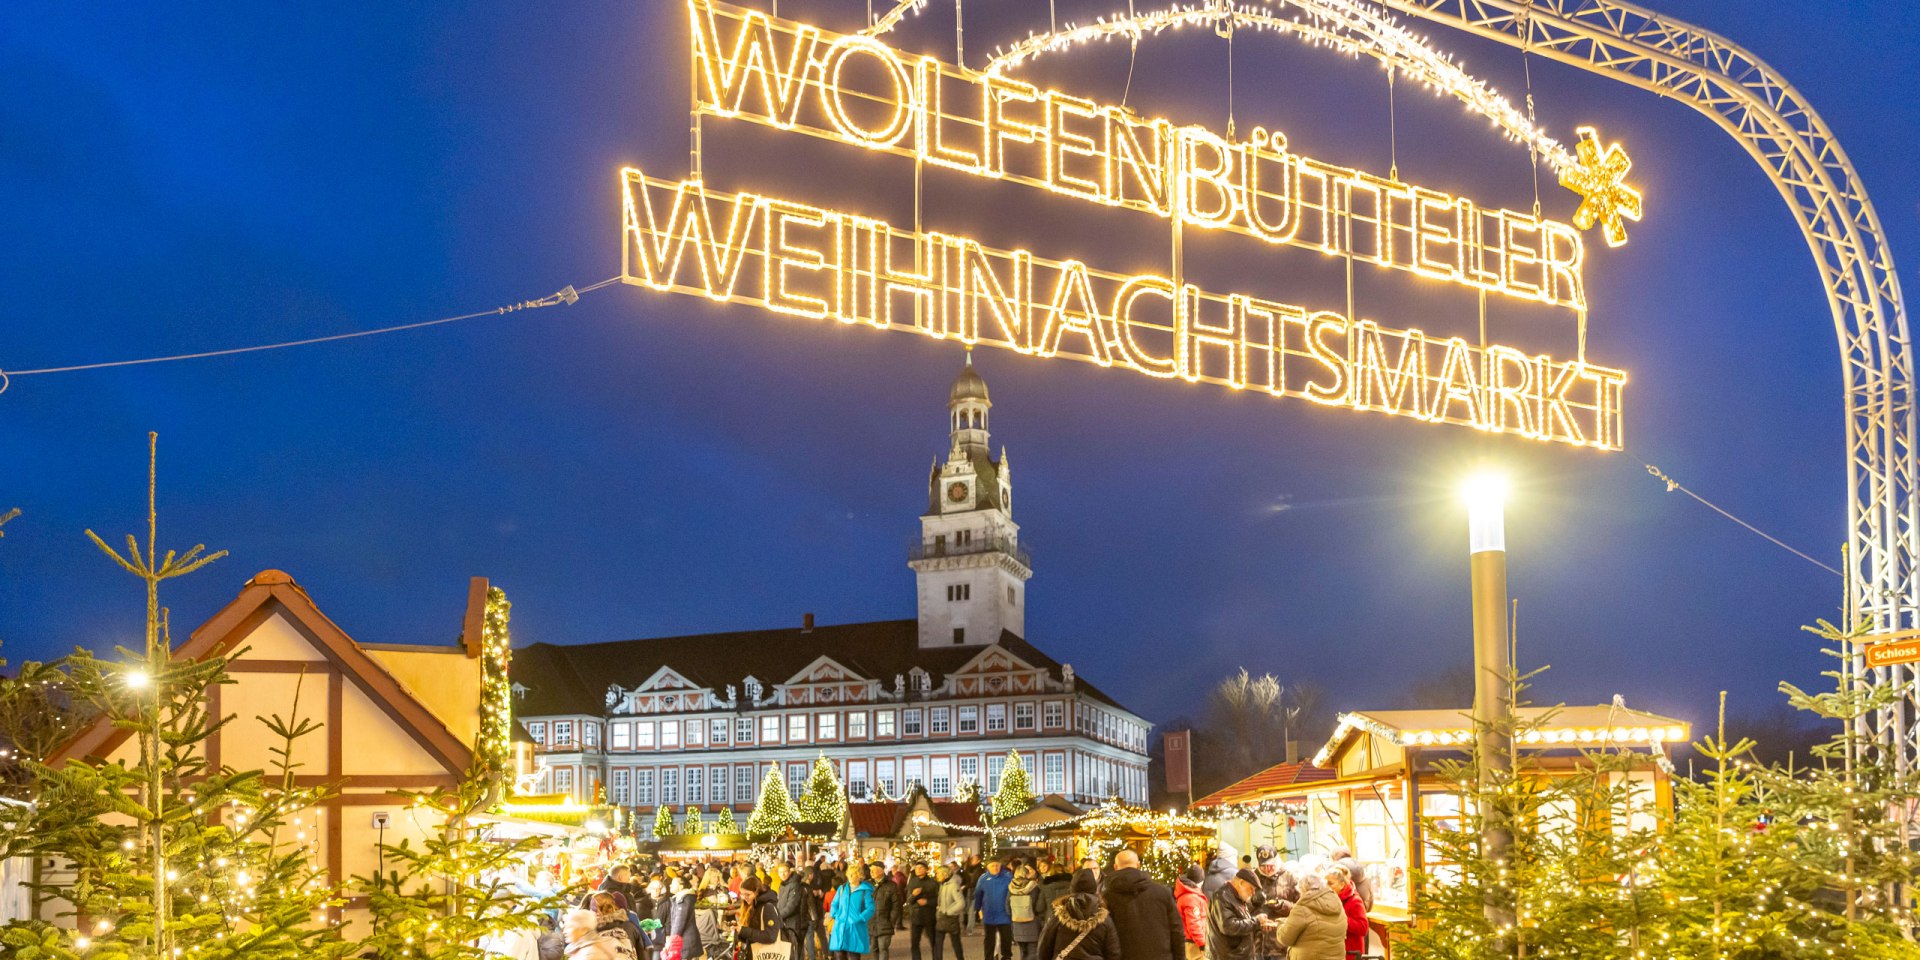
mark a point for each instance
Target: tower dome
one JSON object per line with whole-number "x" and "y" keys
{"x": 968, "y": 385}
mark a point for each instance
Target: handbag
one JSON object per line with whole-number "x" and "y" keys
{"x": 673, "y": 948}
{"x": 780, "y": 949}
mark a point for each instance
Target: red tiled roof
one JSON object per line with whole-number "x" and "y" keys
{"x": 1278, "y": 775}
{"x": 959, "y": 814}
{"x": 874, "y": 819}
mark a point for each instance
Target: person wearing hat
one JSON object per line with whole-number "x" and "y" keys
{"x": 1080, "y": 928}
{"x": 1192, "y": 905}
{"x": 1233, "y": 928}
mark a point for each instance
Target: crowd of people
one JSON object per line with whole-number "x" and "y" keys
{"x": 1036, "y": 907}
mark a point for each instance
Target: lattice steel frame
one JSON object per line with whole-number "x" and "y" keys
{"x": 1782, "y": 132}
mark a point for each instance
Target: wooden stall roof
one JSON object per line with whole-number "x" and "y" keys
{"x": 1260, "y": 785}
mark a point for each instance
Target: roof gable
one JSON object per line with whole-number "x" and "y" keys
{"x": 269, "y": 594}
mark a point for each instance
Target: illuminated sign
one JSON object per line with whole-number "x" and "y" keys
{"x": 803, "y": 260}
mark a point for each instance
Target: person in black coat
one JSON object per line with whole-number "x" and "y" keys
{"x": 923, "y": 899}
{"x": 887, "y": 910}
{"x": 1080, "y": 927}
{"x": 1143, "y": 912}
{"x": 1233, "y": 928}
{"x": 795, "y": 913}
{"x": 760, "y": 920}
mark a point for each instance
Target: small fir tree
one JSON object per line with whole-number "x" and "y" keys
{"x": 1016, "y": 790}
{"x": 824, "y": 800}
{"x": 693, "y": 824}
{"x": 663, "y": 822}
{"x": 725, "y": 825}
{"x": 774, "y": 811}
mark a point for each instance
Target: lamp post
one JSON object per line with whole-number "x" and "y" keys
{"x": 1486, "y": 497}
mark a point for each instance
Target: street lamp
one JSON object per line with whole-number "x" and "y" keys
{"x": 1486, "y": 496}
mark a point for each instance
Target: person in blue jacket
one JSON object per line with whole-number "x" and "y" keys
{"x": 852, "y": 909}
{"x": 990, "y": 904}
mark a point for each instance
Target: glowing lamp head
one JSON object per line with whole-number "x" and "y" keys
{"x": 137, "y": 679}
{"x": 1486, "y": 497}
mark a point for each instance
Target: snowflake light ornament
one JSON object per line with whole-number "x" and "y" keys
{"x": 1600, "y": 178}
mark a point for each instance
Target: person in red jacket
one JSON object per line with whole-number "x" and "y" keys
{"x": 1192, "y": 905}
{"x": 1342, "y": 883}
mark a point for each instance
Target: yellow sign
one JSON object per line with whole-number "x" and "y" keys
{"x": 802, "y": 260}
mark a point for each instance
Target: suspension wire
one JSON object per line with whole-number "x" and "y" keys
{"x": 1675, "y": 486}
{"x": 1053, "y": 16}
{"x": 1393, "y": 130}
{"x": 1133, "y": 56}
{"x": 869, "y": 13}
{"x": 1526, "y": 65}
{"x": 1230, "y": 136}
{"x": 566, "y": 295}
{"x": 959, "y": 33}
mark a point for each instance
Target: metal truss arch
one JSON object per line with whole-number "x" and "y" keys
{"x": 1789, "y": 140}
{"x": 1776, "y": 126}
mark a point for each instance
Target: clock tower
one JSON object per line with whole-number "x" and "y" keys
{"x": 968, "y": 564}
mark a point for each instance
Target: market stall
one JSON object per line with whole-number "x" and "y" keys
{"x": 1377, "y": 778}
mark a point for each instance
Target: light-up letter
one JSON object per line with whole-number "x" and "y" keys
{"x": 1206, "y": 167}
{"x": 1125, "y": 325}
{"x": 753, "y": 59}
{"x": 901, "y": 101}
{"x": 1073, "y": 310}
{"x": 1333, "y": 359}
{"x": 1399, "y": 387}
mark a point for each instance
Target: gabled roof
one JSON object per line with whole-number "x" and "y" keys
{"x": 1278, "y": 775}
{"x": 876, "y": 819}
{"x": 572, "y": 679}
{"x": 268, "y": 593}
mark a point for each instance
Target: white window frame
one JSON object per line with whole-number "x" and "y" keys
{"x": 744, "y": 783}
{"x": 939, "y": 721}
{"x": 796, "y": 728}
{"x": 1053, "y": 714}
{"x": 857, "y": 779}
{"x": 718, "y": 731}
{"x": 996, "y": 718}
{"x": 590, "y": 733}
{"x": 696, "y": 786}
{"x": 669, "y": 786}
{"x": 910, "y": 722}
{"x": 696, "y": 733}
{"x": 563, "y": 780}
{"x": 1023, "y": 715}
{"x": 969, "y": 720}
{"x": 913, "y": 770}
{"x": 719, "y": 788}
{"x": 969, "y": 769}
{"x": 829, "y": 726}
{"x": 643, "y": 735}
{"x": 563, "y": 733}
{"x": 1054, "y": 780}
{"x": 996, "y": 764}
{"x": 796, "y": 779}
{"x": 669, "y": 734}
{"x": 538, "y": 731}
{"x": 621, "y": 779}
{"x": 940, "y": 777}
{"x": 883, "y": 777}
{"x": 857, "y": 725}
{"x": 770, "y": 729}
{"x": 643, "y": 787}
{"x": 883, "y": 724}
{"x": 743, "y": 731}
{"x": 620, "y": 736}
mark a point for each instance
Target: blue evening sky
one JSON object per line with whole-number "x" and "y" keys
{"x": 193, "y": 176}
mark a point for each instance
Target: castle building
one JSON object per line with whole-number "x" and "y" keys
{"x": 936, "y": 702}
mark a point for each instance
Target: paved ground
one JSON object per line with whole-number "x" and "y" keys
{"x": 972, "y": 945}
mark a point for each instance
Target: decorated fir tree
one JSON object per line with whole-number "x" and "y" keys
{"x": 692, "y": 824}
{"x": 824, "y": 800}
{"x": 1016, "y": 790}
{"x": 725, "y": 825}
{"x": 169, "y": 855}
{"x": 774, "y": 811}
{"x": 663, "y": 822}
{"x": 1731, "y": 863}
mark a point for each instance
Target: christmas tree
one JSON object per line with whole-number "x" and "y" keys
{"x": 1016, "y": 791}
{"x": 170, "y": 856}
{"x": 663, "y": 822}
{"x": 725, "y": 825}
{"x": 774, "y": 810}
{"x": 823, "y": 801}
{"x": 692, "y": 825}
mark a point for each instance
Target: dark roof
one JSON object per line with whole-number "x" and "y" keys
{"x": 1251, "y": 788}
{"x": 958, "y": 814}
{"x": 875, "y": 819}
{"x": 573, "y": 678}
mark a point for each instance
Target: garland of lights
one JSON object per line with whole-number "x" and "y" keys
{"x": 1594, "y": 171}
{"x": 495, "y": 747}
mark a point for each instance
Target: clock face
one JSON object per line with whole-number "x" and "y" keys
{"x": 957, "y": 492}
